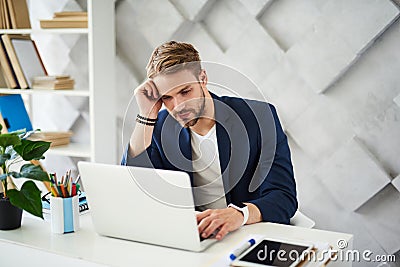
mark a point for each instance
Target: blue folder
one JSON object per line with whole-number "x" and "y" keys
{"x": 14, "y": 113}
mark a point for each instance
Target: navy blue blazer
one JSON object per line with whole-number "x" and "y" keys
{"x": 253, "y": 151}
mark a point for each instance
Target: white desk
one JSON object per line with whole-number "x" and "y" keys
{"x": 34, "y": 244}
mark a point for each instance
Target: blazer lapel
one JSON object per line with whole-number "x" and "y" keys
{"x": 185, "y": 147}
{"x": 223, "y": 128}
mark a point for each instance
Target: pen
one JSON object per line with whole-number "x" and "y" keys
{"x": 77, "y": 179}
{"x": 241, "y": 249}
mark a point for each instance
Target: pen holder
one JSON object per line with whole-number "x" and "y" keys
{"x": 64, "y": 214}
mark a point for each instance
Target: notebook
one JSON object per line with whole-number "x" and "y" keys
{"x": 14, "y": 113}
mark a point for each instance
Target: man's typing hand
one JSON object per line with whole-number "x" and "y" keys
{"x": 223, "y": 220}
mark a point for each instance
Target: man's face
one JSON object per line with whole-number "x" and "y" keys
{"x": 182, "y": 95}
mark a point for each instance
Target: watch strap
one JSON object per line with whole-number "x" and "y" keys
{"x": 244, "y": 211}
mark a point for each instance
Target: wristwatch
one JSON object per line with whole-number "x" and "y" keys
{"x": 242, "y": 208}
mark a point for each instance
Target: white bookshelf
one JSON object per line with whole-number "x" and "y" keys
{"x": 45, "y": 31}
{"x": 74, "y": 92}
{"x": 72, "y": 150}
{"x": 101, "y": 59}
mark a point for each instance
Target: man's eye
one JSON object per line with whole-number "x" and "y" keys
{"x": 165, "y": 97}
{"x": 185, "y": 92}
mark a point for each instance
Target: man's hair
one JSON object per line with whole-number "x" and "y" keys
{"x": 172, "y": 57}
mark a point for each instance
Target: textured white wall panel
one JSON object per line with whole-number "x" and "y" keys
{"x": 192, "y": 10}
{"x": 381, "y": 134}
{"x": 330, "y": 215}
{"x": 201, "y": 39}
{"x": 321, "y": 56}
{"x": 381, "y": 219}
{"x": 226, "y": 22}
{"x": 132, "y": 47}
{"x": 256, "y": 54}
{"x": 327, "y": 128}
{"x": 150, "y": 14}
{"x": 357, "y": 21}
{"x": 352, "y": 175}
{"x": 284, "y": 88}
{"x": 287, "y": 21}
{"x": 396, "y": 183}
{"x": 256, "y": 7}
{"x": 397, "y": 100}
{"x": 126, "y": 84}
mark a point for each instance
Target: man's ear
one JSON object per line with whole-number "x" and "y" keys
{"x": 203, "y": 77}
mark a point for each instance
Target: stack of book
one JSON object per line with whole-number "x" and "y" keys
{"x": 73, "y": 19}
{"x": 56, "y": 138}
{"x": 14, "y": 14}
{"x": 53, "y": 82}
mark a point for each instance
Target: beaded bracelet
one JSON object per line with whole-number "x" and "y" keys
{"x": 145, "y": 122}
{"x": 146, "y": 119}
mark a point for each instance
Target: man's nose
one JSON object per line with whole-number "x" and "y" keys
{"x": 179, "y": 104}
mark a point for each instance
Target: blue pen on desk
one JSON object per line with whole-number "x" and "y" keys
{"x": 242, "y": 249}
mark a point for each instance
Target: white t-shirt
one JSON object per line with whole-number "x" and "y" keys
{"x": 209, "y": 189}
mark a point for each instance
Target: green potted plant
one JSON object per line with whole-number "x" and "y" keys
{"x": 15, "y": 148}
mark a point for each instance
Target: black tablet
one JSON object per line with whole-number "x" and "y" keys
{"x": 270, "y": 252}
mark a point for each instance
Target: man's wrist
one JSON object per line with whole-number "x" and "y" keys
{"x": 241, "y": 207}
{"x": 151, "y": 115}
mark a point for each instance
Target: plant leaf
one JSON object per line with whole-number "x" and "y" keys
{"x": 28, "y": 198}
{"x": 8, "y": 139}
{"x": 32, "y": 172}
{"x": 4, "y": 158}
{"x": 30, "y": 150}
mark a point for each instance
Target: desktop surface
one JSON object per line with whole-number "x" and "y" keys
{"x": 87, "y": 248}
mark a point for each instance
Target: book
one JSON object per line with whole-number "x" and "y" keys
{"x": 53, "y": 82}
{"x": 78, "y": 22}
{"x": 3, "y": 82}
{"x": 19, "y": 14}
{"x": 50, "y": 78}
{"x": 6, "y": 69}
{"x": 67, "y": 14}
{"x": 14, "y": 113}
{"x": 7, "y": 19}
{"x": 66, "y": 19}
{"x": 56, "y": 138}
{"x": 1, "y": 15}
{"x": 83, "y": 204}
{"x": 24, "y": 58}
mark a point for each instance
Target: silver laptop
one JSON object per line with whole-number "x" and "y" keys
{"x": 142, "y": 204}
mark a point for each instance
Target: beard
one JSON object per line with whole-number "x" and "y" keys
{"x": 197, "y": 113}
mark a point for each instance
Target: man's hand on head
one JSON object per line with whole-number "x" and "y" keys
{"x": 148, "y": 99}
{"x": 226, "y": 220}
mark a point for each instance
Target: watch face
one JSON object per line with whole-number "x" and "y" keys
{"x": 239, "y": 204}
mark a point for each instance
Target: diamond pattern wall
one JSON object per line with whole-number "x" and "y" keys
{"x": 331, "y": 69}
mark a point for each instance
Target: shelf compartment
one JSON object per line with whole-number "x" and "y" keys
{"x": 71, "y": 150}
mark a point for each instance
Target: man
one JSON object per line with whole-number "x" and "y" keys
{"x": 234, "y": 150}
